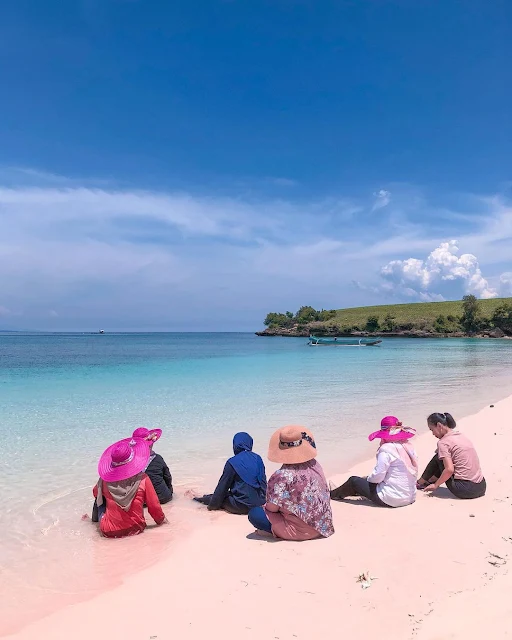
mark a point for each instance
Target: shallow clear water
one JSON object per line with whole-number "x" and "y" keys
{"x": 64, "y": 398}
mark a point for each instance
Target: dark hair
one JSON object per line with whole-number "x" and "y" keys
{"x": 444, "y": 418}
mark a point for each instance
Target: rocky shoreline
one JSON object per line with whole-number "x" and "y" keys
{"x": 305, "y": 331}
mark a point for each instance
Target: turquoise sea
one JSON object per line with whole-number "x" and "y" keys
{"x": 65, "y": 397}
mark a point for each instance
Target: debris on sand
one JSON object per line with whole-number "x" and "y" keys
{"x": 496, "y": 560}
{"x": 365, "y": 579}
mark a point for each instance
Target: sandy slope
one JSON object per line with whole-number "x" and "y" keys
{"x": 431, "y": 559}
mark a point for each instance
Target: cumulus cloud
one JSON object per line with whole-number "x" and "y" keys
{"x": 382, "y": 199}
{"x": 423, "y": 278}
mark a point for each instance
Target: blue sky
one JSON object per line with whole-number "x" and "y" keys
{"x": 172, "y": 165}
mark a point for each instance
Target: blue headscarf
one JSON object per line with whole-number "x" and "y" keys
{"x": 248, "y": 465}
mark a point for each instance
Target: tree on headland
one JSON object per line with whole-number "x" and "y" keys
{"x": 372, "y": 324}
{"x": 502, "y": 318}
{"x": 310, "y": 314}
{"x": 279, "y": 320}
{"x": 440, "y": 324}
{"x": 470, "y": 314}
{"x": 304, "y": 315}
{"x": 389, "y": 323}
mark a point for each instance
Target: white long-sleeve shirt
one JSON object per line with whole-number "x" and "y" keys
{"x": 396, "y": 486}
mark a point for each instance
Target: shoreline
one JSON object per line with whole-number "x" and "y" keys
{"x": 65, "y": 562}
{"x": 356, "y": 547}
{"x": 414, "y": 333}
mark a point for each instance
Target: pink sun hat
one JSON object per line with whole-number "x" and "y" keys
{"x": 392, "y": 430}
{"x": 147, "y": 434}
{"x": 124, "y": 459}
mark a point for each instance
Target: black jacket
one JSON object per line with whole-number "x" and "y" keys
{"x": 161, "y": 478}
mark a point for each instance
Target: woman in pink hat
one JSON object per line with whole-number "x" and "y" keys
{"x": 125, "y": 488}
{"x": 157, "y": 469}
{"x": 298, "y": 505}
{"x": 392, "y": 483}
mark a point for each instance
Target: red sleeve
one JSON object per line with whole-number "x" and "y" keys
{"x": 154, "y": 508}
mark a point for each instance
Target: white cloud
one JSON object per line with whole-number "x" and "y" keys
{"x": 73, "y": 250}
{"x": 382, "y": 199}
{"x": 506, "y": 284}
{"x": 422, "y": 278}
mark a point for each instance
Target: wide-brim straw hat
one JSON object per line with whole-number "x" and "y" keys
{"x": 392, "y": 430}
{"x": 152, "y": 435}
{"x": 124, "y": 459}
{"x": 292, "y": 444}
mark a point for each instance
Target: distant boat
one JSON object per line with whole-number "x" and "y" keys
{"x": 101, "y": 331}
{"x": 335, "y": 341}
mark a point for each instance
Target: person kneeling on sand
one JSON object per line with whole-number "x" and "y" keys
{"x": 297, "y": 506}
{"x": 455, "y": 463}
{"x": 124, "y": 487}
{"x": 243, "y": 483}
{"x": 392, "y": 483}
{"x": 157, "y": 470}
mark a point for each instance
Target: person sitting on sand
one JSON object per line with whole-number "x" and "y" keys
{"x": 392, "y": 483}
{"x": 125, "y": 488}
{"x": 243, "y": 483}
{"x": 455, "y": 463}
{"x": 297, "y": 506}
{"x": 157, "y": 470}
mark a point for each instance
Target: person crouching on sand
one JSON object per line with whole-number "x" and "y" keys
{"x": 243, "y": 483}
{"x": 392, "y": 483}
{"x": 297, "y": 506}
{"x": 455, "y": 463}
{"x": 124, "y": 487}
{"x": 157, "y": 470}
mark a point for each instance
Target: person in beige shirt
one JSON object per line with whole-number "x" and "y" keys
{"x": 455, "y": 463}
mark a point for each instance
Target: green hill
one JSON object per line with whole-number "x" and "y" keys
{"x": 414, "y": 312}
{"x": 430, "y": 318}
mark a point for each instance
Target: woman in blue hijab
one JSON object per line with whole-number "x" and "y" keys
{"x": 243, "y": 484}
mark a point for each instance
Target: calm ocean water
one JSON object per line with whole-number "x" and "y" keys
{"x": 65, "y": 397}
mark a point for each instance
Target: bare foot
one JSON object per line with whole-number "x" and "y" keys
{"x": 266, "y": 534}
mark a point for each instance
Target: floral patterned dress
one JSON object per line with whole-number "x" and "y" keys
{"x": 302, "y": 491}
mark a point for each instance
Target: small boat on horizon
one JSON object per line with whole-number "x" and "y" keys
{"x": 339, "y": 341}
{"x": 101, "y": 331}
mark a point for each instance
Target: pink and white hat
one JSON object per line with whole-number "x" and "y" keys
{"x": 392, "y": 430}
{"x": 124, "y": 459}
{"x": 152, "y": 435}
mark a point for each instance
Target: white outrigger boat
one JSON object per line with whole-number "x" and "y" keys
{"x": 336, "y": 341}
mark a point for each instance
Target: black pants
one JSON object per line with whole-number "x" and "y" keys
{"x": 356, "y": 486}
{"x": 230, "y": 505}
{"x": 462, "y": 489}
{"x": 164, "y": 494}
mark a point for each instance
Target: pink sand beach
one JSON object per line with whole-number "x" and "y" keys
{"x": 441, "y": 569}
